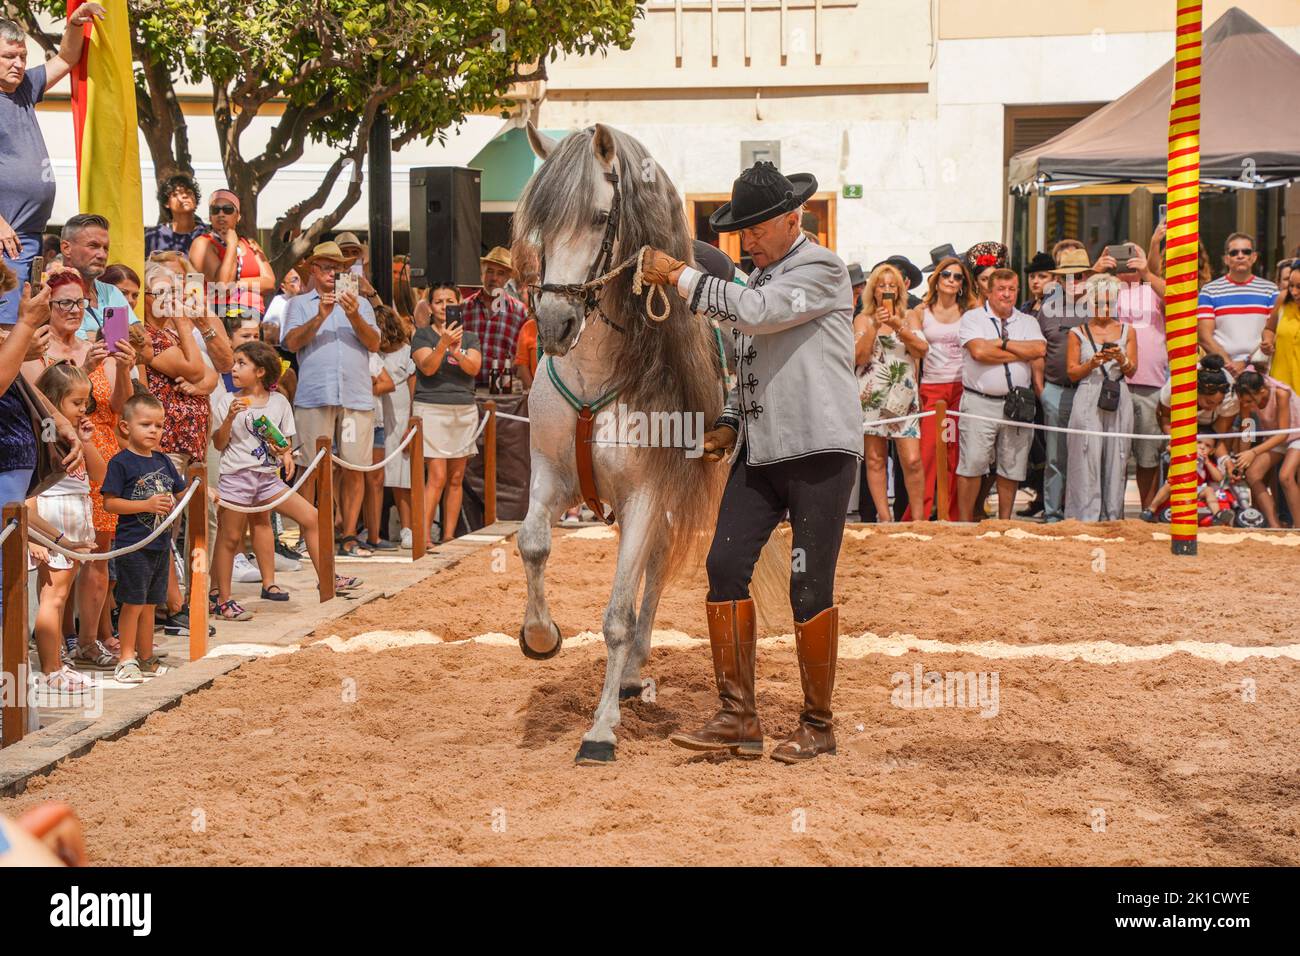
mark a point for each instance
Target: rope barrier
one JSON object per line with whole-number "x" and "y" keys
{"x": 379, "y": 464}
{"x": 289, "y": 493}
{"x": 106, "y": 555}
{"x": 9, "y": 529}
{"x": 1211, "y": 436}
{"x": 513, "y": 418}
{"x": 438, "y": 452}
{"x": 902, "y": 418}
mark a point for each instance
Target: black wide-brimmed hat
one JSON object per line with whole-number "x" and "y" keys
{"x": 1042, "y": 262}
{"x": 761, "y": 193}
{"x": 938, "y": 254}
{"x": 904, "y": 265}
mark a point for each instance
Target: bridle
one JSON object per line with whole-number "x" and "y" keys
{"x": 602, "y": 269}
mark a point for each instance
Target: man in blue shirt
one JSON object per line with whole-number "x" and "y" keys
{"x": 334, "y": 336}
{"x": 26, "y": 176}
{"x": 84, "y": 244}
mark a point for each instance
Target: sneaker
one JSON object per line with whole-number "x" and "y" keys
{"x": 94, "y": 657}
{"x": 245, "y": 571}
{"x": 1148, "y": 516}
{"x": 178, "y": 625}
{"x": 285, "y": 551}
{"x": 232, "y": 610}
{"x": 283, "y": 563}
{"x": 407, "y": 539}
{"x": 64, "y": 681}
{"x": 69, "y": 646}
{"x": 128, "y": 672}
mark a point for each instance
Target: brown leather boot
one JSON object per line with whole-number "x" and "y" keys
{"x": 733, "y": 635}
{"x": 817, "y": 642}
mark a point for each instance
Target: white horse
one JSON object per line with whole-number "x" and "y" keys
{"x": 568, "y": 229}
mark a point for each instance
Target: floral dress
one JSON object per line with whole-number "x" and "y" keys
{"x": 888, "y": 389}
{"x": 185, "y": 428}
{"x": 105, "y": 441}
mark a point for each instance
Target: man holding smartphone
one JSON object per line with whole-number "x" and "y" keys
{"x": 333, "y": 332}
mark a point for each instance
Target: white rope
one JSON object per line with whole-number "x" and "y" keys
{"x": 894, "y": 421}
{"x": 289, "y": 492}
{"x": 106, "y": 555}
{"x": 1211, "y": 436}
{"x": 9, "y": 529}
{"x": 379, "y": 464}
{"x": 513, "y": 418}
{"x": 439, "y": 453}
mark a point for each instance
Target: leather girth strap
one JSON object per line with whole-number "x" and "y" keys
{"x": 586, "y": 469}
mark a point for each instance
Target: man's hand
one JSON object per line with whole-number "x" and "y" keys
{"x": 327, "y": 300}
{"x": 350, "y": 304}
{"x": 659, "y": 268}
{"x": 86, "y": 13}
{"x": 718, "y": 442}
{"x": 9, "y": 243}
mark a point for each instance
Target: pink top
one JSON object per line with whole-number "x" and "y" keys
{"x": 943, "y": 361}
{"x": 1140, "y": 307}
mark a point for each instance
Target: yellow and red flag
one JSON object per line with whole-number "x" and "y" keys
{"x": 108, "y": 147}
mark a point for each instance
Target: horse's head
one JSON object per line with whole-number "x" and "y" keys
{"x": 563, "y": 218}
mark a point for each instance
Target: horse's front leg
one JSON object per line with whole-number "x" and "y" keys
{"x": 631, "y": 683}
{"x": 620, "y": 628}
{"x": 548, "y": 493}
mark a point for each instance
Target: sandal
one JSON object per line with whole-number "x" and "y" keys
{"x": 346, "y": 582}
{"x": 232, "y": 610}
{"x": 151, "y": 666}
{"x": 66, "y": 681}
{"x": 128, "y": 672}
{"x": 96, "y": 657}
{"x": 358, "y": 550}
{"x": 113, "y": 645}
{"x": 274, "y": 593}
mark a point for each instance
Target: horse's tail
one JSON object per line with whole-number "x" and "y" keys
{"x": 770, "y": 585}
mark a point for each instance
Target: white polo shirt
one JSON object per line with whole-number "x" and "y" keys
{"x": 988, "y": 378}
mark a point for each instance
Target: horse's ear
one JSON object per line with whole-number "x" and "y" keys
{"x": 541, "y": 144}
{"x": 602, "y": 144}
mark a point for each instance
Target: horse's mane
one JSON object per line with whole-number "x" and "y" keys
{"x": 669, "y": 366}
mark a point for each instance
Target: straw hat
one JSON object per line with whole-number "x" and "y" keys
{"x": 498, "y": 255}
{"x": 1073, "y": 262}
{"x": 345, "y": 239}
{"x": 328, "y": 252}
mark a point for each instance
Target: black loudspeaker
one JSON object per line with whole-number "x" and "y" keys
{"x": 446, "y": 231}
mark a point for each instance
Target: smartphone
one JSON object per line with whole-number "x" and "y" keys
{"x": 455, "y": 316}
{"x": 1121, "y": 253}
{"x": 116, "y": 322}
{"x": 1164, "y": 213}
{"x": 36, "y": 274}
{"x": 345, "y": 282}
{"x": 195, "y": 288}
{"x": 889, "y": 296}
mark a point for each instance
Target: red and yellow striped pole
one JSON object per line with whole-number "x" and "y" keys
{"x": 1183, "y": 216}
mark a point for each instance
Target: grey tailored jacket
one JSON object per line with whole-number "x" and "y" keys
{"x": 792, "y": 329}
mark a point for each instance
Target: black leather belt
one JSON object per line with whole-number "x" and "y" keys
{"x": 992, "y": 398}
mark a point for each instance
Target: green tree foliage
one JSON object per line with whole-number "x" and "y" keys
{"x": 324, "y": 68}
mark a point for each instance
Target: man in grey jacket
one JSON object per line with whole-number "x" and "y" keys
{"x": 796, "y": 422}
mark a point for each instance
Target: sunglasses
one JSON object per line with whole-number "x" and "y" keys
{"x": 949, "y": 274}
{"x": 1241, "y": 252}
{"x": 226, "y": 210}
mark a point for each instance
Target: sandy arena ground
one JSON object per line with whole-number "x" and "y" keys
{"x": 1108, "y": 746}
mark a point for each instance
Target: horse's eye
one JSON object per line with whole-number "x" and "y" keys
{"x": 602, "y": 217}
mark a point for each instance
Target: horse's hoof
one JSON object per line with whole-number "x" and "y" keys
{"x": 536, "y": 655}
{"x": 594, "y": 753}
{"x": 645, "y": 691}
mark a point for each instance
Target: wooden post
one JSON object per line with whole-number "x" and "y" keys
{"x": 419, "y": 516}
{"x": 325, "y": 520}
{"x": 940, "y": 459}
{"x": 16, "y": 665}
{"x": 490, "y": 465}
{"x": 197, "y": 518}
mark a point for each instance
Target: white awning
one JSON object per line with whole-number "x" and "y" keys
{"x": 290, "y": 185}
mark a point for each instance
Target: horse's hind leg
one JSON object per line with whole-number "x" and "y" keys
{"x": 631, "y": 683}
{"x": 539, "y": 638}
{"x": 620, "y": 629}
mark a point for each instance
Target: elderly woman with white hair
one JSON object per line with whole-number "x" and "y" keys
{"x": 1099, "y": 354}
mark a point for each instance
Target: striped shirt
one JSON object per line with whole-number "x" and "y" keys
{"x": 1239, "y": 310}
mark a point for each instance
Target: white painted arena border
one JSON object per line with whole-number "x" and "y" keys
{"x": 851, "y": 648}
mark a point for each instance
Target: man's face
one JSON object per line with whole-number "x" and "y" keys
{"x": 1002, "y": 294}
{"x": 771, "y": 239}
{"x": 181, "y": 201}
{"x": 495, "y": 276}
{"x": 322, "y": 275}
{"x": 1240, "y": 257}
{"x": 292, "y": 284}
{"x": 13, "y": 64}
{"x": 88, "y": 252}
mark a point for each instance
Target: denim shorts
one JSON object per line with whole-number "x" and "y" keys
{"x": 142, "y": 576}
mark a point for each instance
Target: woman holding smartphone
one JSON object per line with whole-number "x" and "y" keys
{"x": 226, "y": 257}
{"x": 888, "y": 346}
{"x": 1099, "y": 354}
{"x": 446, "y": 360}
{"x": 110, "y": 386}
